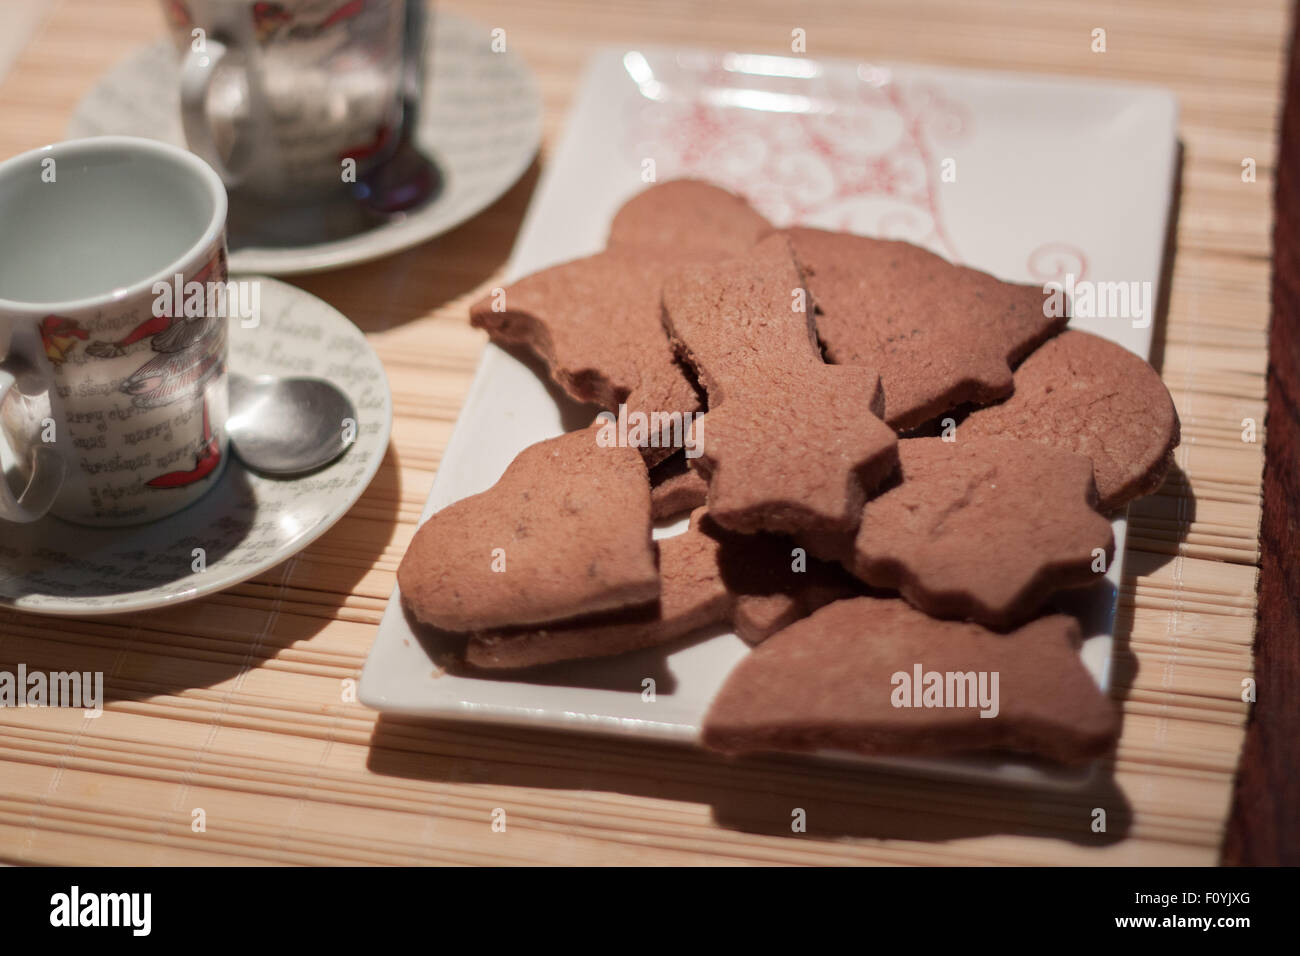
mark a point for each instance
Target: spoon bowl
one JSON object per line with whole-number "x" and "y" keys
{"x": 288, "y": 426}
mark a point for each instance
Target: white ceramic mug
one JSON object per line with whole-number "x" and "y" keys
{"x": 112, "y": 398}
{"x": 276, "y": 96}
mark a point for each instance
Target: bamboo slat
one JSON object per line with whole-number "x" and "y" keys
{"x": 237, "y": 705}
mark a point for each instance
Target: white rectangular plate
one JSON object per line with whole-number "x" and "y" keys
{"x": 1043, "y": 177}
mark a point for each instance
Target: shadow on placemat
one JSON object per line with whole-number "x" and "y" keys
{"x": 205, "y": 642}
{"x": 415, "y": 181}
{"x": 1174, "y": 503}
{"x": 754, "y": 795}
{"x": 400, "y": 288}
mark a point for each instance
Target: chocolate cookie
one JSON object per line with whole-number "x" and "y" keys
{"x": 939, "y": 335}
{"x": 595, "y": 322}
{"x": 776, "y": 596}
{"x": 708, "y": 576}
{"x": 798, "y": 456}
{"x": 876, "y": 676}
{"x": 1091, "y": 396}
{"x": 675, "y": 488}
{"x": 983, "y": 529}
{"x": 741, "y": 322}
{"x": 687, "y": 217}
{"x": 565, "y": 531}
{"x": 691, "y": 596}
{"x": 789, "y": 444}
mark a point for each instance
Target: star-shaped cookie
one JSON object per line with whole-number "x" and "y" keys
{"x": 983, "y": 529}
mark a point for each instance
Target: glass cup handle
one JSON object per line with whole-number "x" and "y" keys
{"x": 47, "y": 466}
{"x": 197, "y": 70}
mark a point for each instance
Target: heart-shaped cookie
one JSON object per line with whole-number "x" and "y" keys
{"x": 708, "y": 575}
{"x": 565, "y": 531}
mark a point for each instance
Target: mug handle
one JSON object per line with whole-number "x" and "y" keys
{"x": 47, "y": 464}
{"x": 197, "y": 70}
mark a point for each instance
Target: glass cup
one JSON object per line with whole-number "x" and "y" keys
{"x": 291, "y": 99}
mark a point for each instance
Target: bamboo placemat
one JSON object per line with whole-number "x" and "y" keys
{"x": 236, "y": 704}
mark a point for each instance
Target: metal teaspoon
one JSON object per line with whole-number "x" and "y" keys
{"x": 288, "y": 426}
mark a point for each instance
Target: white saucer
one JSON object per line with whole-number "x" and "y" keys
{"x": 245, "y": 524}
{"x": 480, "y": 122}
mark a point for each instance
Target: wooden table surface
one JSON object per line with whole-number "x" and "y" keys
{"x": 236, "y": 705}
